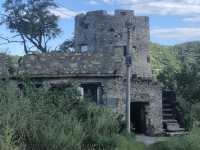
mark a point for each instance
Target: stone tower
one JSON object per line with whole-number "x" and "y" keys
{"x": 98, "y": 31}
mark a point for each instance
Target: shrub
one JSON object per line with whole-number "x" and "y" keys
{"x": 127, "y": 142}
{"x": 188, "y": 142}
{"x": 55, "y": 120}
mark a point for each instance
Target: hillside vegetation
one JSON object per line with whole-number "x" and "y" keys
{"x": 173, "y": 56}
{"x": 162, "y": 56}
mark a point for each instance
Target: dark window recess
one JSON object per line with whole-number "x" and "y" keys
{"x": 112, "y": 30}
{"x": 11, "y": 70}
{"x": 133, "y": 28}
{"x": 85, "y": 25}
{"x": 91, "y": 91}
{"x": 119, "y": 36}
{"x": 148, "y": 59}
{"x": 125, "y": 50}
{"x": 23, "y": 89}
{"x": 128, "y": 60}
{"x": 21, "y": 86}
{"x": 38, "y": 85}
{"x": 59, "y": 87}
{"x": 134, "y": 47}
{"x": 115, "y": 71}
{"x": 123, "y": 13}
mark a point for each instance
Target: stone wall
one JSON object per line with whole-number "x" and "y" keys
{"x": 4, "y": 66}
{"x": 141, "y": 41}
{"x": 73, "y": 64}
{"x": 98, "y": 31}
{"x": 150, "y": 92}
{"x": 111, "y": 89}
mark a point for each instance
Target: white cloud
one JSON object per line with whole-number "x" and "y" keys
{"x": 168, "y": 8}
{"x": 93, "y": 2}
{"x": 176, "y": 34}
{"x": 107, "y": 1}
{"x": 63, "y": 12}
{"x": 161, "y": 7}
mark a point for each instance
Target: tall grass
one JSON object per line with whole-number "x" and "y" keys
{"x": 187, "y": 142}
{"x": 55, "y": 120}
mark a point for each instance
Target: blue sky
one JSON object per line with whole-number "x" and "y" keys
{"x": 171, "y": 21}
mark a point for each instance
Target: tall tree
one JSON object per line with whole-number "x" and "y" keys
{"x": 32, "y": 21}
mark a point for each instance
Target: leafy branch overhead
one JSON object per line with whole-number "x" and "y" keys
{"x": 32, "y": 21}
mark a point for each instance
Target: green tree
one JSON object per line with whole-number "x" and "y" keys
{"x": 32, "y": 21}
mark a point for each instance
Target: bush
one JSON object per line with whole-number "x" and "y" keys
{"x": 55, "y": 120}
{"x": 127, "y": 142}
{"x": 188, "y": 142}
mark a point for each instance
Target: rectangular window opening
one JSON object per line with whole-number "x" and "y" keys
{"x": 84, "y": 48}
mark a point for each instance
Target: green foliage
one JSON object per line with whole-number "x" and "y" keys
{"x": 7, "y": 119}
{"x": 180, "y": 71}
{"x": 32, "y": 21}
{"x": 188, "y": 142}
{"x": 188, "y": 53}
{"x": 127, "y": 143}
{"x": 55, "y": 120}
{"x": 14, "y": 59}
{"x": 162, "y": 57}
{"x": 167, "y": 77}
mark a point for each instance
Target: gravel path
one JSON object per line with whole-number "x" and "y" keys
{"x": 147, "y": 140}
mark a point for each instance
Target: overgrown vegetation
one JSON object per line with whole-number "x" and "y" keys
{"x": 179, "y": 71}
{"x": 177, "y": 67}
{"x": 56, "y": 120}
{"x": 188, "y": 142}
{"x": 162, "y": 57}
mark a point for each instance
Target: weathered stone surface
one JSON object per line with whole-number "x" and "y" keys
{"x": 99, "y": 31}
{"x": 4, "y": 65}
{"x": 52, "y": 64}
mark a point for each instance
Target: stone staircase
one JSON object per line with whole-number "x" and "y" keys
{"x": 170, "y": 124}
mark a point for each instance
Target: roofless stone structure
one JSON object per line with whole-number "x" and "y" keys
{"x": 98, "y": 66}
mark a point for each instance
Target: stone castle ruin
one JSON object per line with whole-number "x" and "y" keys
{"x": 97, "y": 66}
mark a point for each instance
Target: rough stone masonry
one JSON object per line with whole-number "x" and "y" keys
{"x": 97, "y": 66}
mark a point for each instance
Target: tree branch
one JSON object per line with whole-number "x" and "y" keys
{"x": 9, "y": 40}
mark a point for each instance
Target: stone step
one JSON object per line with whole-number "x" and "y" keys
{"x": 167, "y": 102}
{"x": 170, "y": 121}
{"x": 167, "y": 109}
{"x": 168, "y": 116}
{"x": 175, "y": 130}
{"x": 175, "y": 133}
{"x": 167, "y": 105}
{"x": 172, "y": 126}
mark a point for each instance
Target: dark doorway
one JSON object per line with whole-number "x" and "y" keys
{"x": 138, "y": 117}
